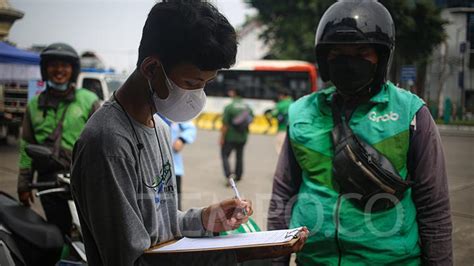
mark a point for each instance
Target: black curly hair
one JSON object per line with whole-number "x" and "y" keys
{"x": 190, "y": 31}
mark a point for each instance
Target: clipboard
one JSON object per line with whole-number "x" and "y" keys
{"x": 265, "y": 240}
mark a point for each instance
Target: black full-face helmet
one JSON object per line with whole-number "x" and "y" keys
{"x": 356, "y": 22}
{"x": 60, "y": 51}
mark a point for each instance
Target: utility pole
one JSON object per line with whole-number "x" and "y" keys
{"x": 462, "y": 49}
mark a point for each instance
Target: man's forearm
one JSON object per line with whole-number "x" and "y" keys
{"x": 286, "y": 182}
{"x": 430, "y": 191}
{"x": 25, "y": 177}
{"x": 223, "y": 132}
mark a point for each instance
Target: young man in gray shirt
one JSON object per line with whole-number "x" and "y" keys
{"x": 123, "y": 180}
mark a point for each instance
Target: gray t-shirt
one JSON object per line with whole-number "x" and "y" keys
{"x": 120, "y": 214}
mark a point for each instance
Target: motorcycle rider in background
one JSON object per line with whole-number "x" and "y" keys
{"x": 54, "y": 119}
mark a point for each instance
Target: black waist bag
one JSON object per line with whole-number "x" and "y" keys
{"x": 367, "y": 178}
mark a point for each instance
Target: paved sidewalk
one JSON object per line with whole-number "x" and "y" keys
{"x": 452, "y": 130}
{"x": 204, "y": 183}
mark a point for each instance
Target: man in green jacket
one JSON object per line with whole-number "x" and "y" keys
{"x": 234, "y": 133}
{"x": 354, "y": 46}
{"x": 61, "y": 103}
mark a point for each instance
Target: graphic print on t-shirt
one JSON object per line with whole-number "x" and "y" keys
{"x": 163, "y": 182}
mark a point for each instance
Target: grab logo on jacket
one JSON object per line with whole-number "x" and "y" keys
{"x": 392, "y": 116}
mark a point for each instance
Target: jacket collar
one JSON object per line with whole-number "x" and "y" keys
{"x": 327, "y": 95}
{"x": 47, "y": 99}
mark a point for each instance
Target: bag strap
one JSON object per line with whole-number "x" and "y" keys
{"x": 56, "y": 136}
{"x": 341, "y": 128}
{"x": 336, "y": 114}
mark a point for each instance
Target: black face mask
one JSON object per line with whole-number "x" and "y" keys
{"x": 351, "y": 75}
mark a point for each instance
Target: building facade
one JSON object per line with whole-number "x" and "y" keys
{"x": 450, "y": 74}
{"x": 251, "y": 46}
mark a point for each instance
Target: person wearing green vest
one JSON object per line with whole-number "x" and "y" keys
{"x": 349, "y": 225}
{"x": 280, "y": 112}
{"x": 61, "y": 103}
{"x": 234, "y": 133}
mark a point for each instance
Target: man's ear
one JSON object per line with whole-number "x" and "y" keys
{"x": 149, "y": 66}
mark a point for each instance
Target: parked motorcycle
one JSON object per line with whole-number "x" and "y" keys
{"x": 27, "y": 239}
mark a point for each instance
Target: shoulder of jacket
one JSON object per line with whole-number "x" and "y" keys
{"x": 34, "y": 100}
{"x": 87, "y": 95}
{"x": 403, "y": 93}
{"x": 304, "y": 101}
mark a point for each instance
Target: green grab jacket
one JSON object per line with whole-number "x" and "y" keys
{"x": 342, "y": 233}
{"x": 42, "y": 118}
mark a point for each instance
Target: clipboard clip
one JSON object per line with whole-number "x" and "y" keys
{"x": 292, "y": 233}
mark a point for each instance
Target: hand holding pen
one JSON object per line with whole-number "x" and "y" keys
{"x": 236, "y": 192}
{"x": 226, "y": 215}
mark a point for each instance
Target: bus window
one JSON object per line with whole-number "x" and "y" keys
{"x": 298, "y": 83}
{"x": 260, "y": 84}
{"x": 259, "y": 81}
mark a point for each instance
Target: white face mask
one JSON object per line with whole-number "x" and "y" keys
{"x": 181, "y": 105}
{"x": 58, "y": 87}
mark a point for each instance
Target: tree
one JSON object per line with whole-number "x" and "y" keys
{"x": 291, "y": 26}
{"x": 419, "y": 29}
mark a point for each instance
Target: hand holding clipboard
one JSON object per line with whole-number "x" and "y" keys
{"x": 276, "y": 251}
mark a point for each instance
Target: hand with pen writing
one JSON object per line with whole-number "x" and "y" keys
{"x": 226, "y": 215}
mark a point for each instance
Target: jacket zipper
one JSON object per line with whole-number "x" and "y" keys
{"x": 336, "y": 235}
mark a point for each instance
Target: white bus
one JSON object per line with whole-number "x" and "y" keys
{"x": 258, "y": 82}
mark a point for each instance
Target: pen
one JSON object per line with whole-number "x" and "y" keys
{"x": 237, "y": 194}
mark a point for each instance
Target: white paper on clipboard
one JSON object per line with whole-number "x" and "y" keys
{"x": 229, "y": 241}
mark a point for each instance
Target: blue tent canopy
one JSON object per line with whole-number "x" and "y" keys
{"x": 12, "y": 55}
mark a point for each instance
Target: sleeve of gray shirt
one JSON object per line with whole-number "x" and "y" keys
{"x": 426, "y": 166}
{"x": 191, "y": 224}
{"x": 286, "y": 184}
{"x": 104, "y": 191}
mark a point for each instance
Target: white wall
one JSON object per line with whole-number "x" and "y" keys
{"x": 251, "y": 47}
